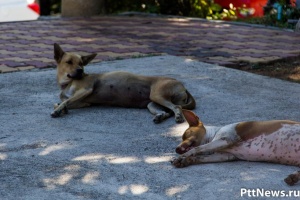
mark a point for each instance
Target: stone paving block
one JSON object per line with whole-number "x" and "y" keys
{"x": 25, "y": 68}
{"x": 251, "y": 46}
{"x": 39, "y": 64}
{"x": 205, "y": 42}
{"x": 63, "y": 45}
{"x": 56, "y": 39}
{"x": 213, "y": 53}
{"x": 26, "y": 37}
{"x": 5, "y": 37}
{"x": 118, "y": 55}
{"x": 122, "y": 46}
{"x": 288, "y": 38}
{"x": 42, "y": 59}
{"x": 17, "y": 45}
{"x": 279, "y": 42}
{"x": 22, "y": 41}
{"x": 12, "y": 48}
{"x": 5, "y": 52}
{"x": 233, "y": 47}
{"x": 231, "y": 42}
{"x": 247, "y": 36}
{"x": 266, "y": 31}
{"x": 231, "y": 51}
{"x": 288, "y": 51}
{"x": 221, "y": 62}
{"x": 257, "y": 60}
{"x": 12, "y": 63}
{"x": 47, "y": 42}
{"x": 296, "y": 51}
{"x": 254, "y": 51}
{"x": 134, "y": 55}
{"x": 3, "y": 42}
{"x": 101, "y": 58}
{"x": 281, "y": 54}
{"x": 253, "y": 55}
{"x": 271, "y": 58}
{"x": 17, "y": 59}
{"x": 143, "y": 50}
{"x": 48, "y": 54}
{"x": 264, "y": 44}
{"x": 18, "y": 32}
{"x": 85, "y": 49}
{"x": 29, "y": 52}
{"x": 3, "y": 57}
{"x": 40, "y": 45}
{"x": 5, "y": 69}
{"x": 221, "y": 58}
{"x": 38, "y": 49}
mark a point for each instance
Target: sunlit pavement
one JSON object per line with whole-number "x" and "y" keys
{"x": 118, "y": 153}
{"x": 28, "y": 45}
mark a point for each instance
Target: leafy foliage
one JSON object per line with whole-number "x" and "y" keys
{"x": 194, "y": 8}
{"x": 197, "y": 8}
{"x": 271, "y": 17}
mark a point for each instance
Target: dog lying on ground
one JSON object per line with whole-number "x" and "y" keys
{"x": 275, "y": 141}
{"x": 161, "y": 95}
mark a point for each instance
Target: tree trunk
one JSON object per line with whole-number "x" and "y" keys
{"x": 82, "y": 8}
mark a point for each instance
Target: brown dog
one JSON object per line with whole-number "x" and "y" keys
{"x": 270, "y": 141}
{"x": 163, "y": 96}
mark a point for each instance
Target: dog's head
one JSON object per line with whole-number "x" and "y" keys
{"x": 194, "y": 135}
{"x": 69, "y": 65}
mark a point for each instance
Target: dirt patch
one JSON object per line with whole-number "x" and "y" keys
{"x": 286, "y": 69}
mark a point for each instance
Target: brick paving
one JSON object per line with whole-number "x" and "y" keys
{"x": 28, "y": 45}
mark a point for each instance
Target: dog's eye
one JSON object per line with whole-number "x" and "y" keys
{"x": 69, "y": 62}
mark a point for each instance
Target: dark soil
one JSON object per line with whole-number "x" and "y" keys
{"x": 286, "y": 69}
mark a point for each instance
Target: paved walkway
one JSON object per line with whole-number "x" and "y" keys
{"x": 27, "y": 45}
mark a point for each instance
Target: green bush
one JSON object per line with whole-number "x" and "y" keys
{"x": 171, "y": 7}
{"x": 271, "y": 17}
{"x": 193, "y": 8}
{"x": 55, "y": 6}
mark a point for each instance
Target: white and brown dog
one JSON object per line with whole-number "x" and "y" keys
{"x": 276, "y": 141}
{"x": 163, "y": 96}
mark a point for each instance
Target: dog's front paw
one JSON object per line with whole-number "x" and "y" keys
{"x": 179, "y": 118}
{"x": 292, "y": 179}
{"x": 158, "y": 118}
{"x": 181, "y": 162}
{"x": 55, "y": 114}
{"x": 59, "y": 111}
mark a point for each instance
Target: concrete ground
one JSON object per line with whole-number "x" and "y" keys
{"x": 119, "y": 153}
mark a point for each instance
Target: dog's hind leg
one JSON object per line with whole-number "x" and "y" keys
{"x": 168, "y": 104}
{"x": 159, "y": 111}
{"x": 292, "y": 179}
{"x": 170, "y": 94}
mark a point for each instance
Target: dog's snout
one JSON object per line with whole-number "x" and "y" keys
{"x": 78, "y": 74}
{"x": 79, "y": 71}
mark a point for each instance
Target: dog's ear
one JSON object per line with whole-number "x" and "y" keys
{"x": 191, "y": 118}
{"x": 88, "y": 58}
{"x": 58, "y": 53}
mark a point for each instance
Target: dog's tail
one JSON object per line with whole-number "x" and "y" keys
{"x": 190, "y": 102}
